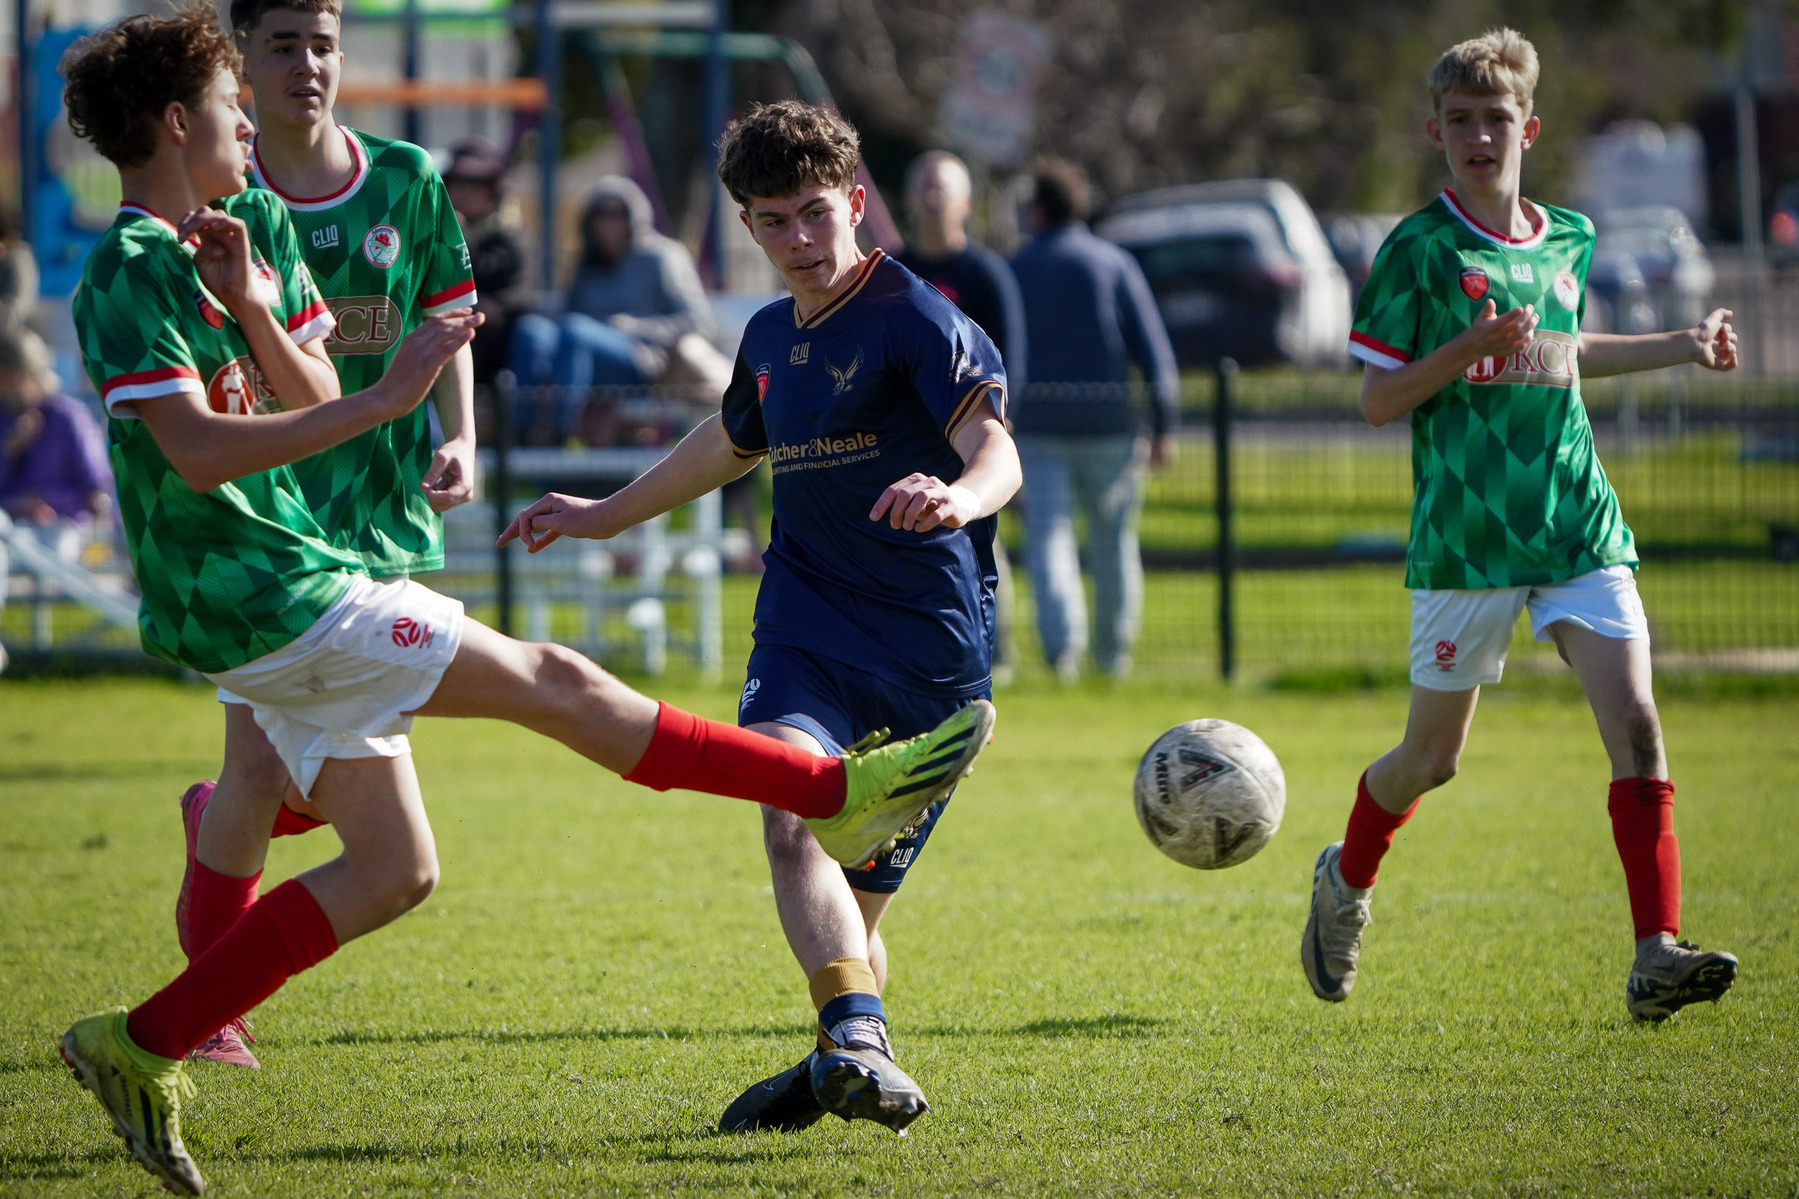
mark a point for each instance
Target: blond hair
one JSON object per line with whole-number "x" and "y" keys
{"x": 1498, "y": 62}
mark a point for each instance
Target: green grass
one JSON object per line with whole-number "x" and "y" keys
{"x": 601, "y": 970}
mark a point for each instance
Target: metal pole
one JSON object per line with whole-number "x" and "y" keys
{"x": 549, "y": 137}
{"x": 505, "y": 388}
{"x": 1749, "y": 210}
{"x": 1227, "y": 545}
{"x": 410, "y": 49}
{"x": 718, "y": 99}
{"x": 24, "y": 52}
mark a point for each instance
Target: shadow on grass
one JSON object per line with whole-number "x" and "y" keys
{"x": 69, "y": 772}
{"x": 44, "y": 1166}
{"x": 1062, "y": 1026}
{"x": 497, "y": 1036}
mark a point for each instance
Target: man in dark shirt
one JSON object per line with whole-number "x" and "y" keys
{"x": 1089, "y": 317}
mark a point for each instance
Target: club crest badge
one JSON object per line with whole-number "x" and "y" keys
{"x": 1567, "y": 290}
{"x": 762, "y": 382}
{"x": 209, "y": 311}
{"x": 382, "y": 246}
{"x": 1474, "y": 283}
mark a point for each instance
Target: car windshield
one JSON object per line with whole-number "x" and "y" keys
{"x": 1205, "y": 256}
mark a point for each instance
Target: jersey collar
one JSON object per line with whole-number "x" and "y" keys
{"x": 127, "y": 208}
{"x": 1499, "y": 239}
{"x": 317, "y": 203}
{"x": 849, "y": 293}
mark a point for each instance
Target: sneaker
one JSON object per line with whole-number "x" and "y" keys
{"x": 863, "y": 1083}
{"x": 784, "y": 1103}
{"x": 227, "y": 1046}
{"x": 889, "y": 785}
{"x": 1333, "y": 939}
{"x": 193, "y": 805}
{"x": 1669, "y": 976}
{"x": 140, "y": 1091}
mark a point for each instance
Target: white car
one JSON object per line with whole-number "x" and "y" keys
{"x": 1239, "y": 268}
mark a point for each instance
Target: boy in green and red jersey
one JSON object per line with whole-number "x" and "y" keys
{"x": 1470, "y": 322}
{"x": 378, "y": 233}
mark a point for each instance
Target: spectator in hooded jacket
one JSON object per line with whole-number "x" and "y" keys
{"x": 635, "y": 314}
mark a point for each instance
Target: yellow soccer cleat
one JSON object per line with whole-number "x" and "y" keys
{"x": 889, "y": 786}
{"x": 140, "y": 1091}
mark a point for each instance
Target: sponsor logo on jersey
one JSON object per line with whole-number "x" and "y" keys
{"x": 209, "y": 312}
{"x": 382, "y": 246}
{"x": 1445, "y": 655}
{"x": 1567, "y": 289}
{"x": 1474, "y": 282}
{"x": 800, "y": 354}
{"x": 1548, "y": 361}
{"x": 365, "y": 325}
{"x": 324, "y": 239}
{"x": 1521, "y": 273}
{"x": 749, "y": 692}
{"x": 846, "y": 377}
{"x": 409, "y": 633}
{"x": 762, "y": 382}
{"x": 822, "y": 452}
{"x": 962, "y": 367}
{"x": 239, "y": 389}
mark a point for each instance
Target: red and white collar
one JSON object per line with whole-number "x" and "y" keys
{"x": 317, "y": 203}
{"x": 1497, "y": 238}
{"x": 126, "y": 206}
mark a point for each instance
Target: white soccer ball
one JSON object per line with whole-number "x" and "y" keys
{"x": 1210, "y": 794}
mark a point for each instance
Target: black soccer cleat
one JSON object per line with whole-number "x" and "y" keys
{"x": 1668, "y": 977}
{"x": 784, "y": 1103}
{"x": 865, "y": 1084}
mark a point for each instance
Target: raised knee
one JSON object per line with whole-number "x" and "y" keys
{"x": 784, "y": 835}
{"x": 410, "y": 883}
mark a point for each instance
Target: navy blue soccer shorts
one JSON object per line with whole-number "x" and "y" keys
{"x": 840, "y": 705}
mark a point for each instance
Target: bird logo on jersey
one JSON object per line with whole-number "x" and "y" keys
{"x": 846, "y": 376}
{"x": 1474, "y": 282}
{"x": 762, "y": 382}
{"x": 382, "y": 246}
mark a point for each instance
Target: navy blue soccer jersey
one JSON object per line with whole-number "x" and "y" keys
{"x": 845, "y": 404}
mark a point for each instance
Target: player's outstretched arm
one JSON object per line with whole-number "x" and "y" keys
{"x": 1390, "y": 394}
{"x": 300, "y": 376}
{"x": 704, "y": 461}
{"x": 209, "y": 449}
{"x": 450, "y": 481}
{"x": 991, "y": 475}
{"x": 1712, "y": 343}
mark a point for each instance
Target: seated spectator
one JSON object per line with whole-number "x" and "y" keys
{"x": 476, "y": 183}
{"x": 18, "y": 274}
{"x": 635, "y": 315}
{"x": 53, "y": 464}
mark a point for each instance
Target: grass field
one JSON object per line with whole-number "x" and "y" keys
{"x": 601, "y": 971}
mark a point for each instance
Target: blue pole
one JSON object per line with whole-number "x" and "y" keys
{"x": 718, "y": 100}
{"x": 549, "y": 137}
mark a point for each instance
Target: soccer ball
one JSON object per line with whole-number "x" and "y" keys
{"x": 1210, "y": 794}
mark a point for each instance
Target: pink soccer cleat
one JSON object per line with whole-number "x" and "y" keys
{"x": 227, "y": 1047}
{"x": 193, "y": 806}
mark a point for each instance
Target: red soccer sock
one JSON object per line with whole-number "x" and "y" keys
{"x": 1643, "y": 828}
{"x": 704, "y": 755}
{"x": 282, "y": 934}
{"x": 216, "y": 902}
{"x": 1369, "y": 836}
{"x": 289, "y": 823}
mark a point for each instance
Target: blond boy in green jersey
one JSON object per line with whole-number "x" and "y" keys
{"x": 381, "y": 240}
{"x": 1471, "y": 324}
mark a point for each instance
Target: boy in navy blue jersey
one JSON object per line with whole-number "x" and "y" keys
{"x": 880, "y": 407}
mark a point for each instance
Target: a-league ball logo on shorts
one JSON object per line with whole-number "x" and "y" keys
{"x": 1445, "y": 655}
{"x": 749, "y": 692}
{"x": 408, "y": 632}
{"x": 1474, "y": 282}
{"x": 382, "y": 246}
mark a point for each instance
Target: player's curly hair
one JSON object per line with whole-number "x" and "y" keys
{"x": 1498, "y": 62}
{"x": 248, "y": 14}
{"x": 777, "y": 149}
{"x": 118, "y": 81}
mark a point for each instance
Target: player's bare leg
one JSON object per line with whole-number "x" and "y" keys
{"x": 1615, "y": 674}
{"x": 1343, "y": 876}
{"x": 830, "y": 928}
{"x": 389, "y": 861}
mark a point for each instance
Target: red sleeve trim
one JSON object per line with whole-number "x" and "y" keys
{"x": 1357, "y": 337}
{"x": 444, "y": 298}
{"x": 140, "y": 378}
{"x": 310, "y": 313}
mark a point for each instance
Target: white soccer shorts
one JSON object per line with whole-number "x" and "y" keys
{"x": 1460, "y": 638}
{"x": 339, "y": 688}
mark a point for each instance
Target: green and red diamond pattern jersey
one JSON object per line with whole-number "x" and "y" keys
{"x": 387, "y": 252}
{"x": 237, "y": 572}
{"x": 1508, "y": 489}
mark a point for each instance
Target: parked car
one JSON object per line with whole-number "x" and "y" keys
{"x": 1650, "y": 271}
{"x": 1355, "y": 239}
{"x": 1239, "y": 268}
